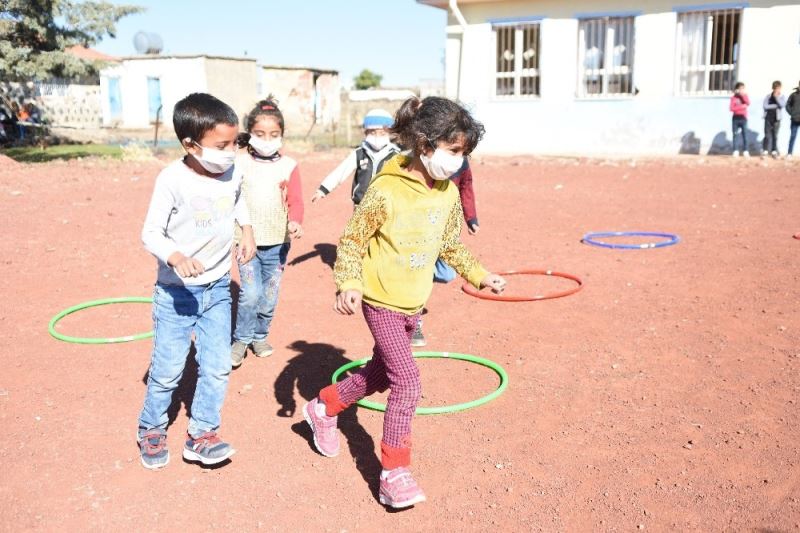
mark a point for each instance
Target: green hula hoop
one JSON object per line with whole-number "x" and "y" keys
{"x": 445, "y": 408}
{"x": 51, "y": 327}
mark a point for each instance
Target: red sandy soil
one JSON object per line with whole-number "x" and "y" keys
{"x": 664, "y": 395}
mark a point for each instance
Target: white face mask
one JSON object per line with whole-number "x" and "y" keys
{"x": 378, "y": 142}
{"x": 213, "y": 160}
{"x": 441, "y": 165}
{"x": 266, "y": 148}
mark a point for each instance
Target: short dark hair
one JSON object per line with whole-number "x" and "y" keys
{"x": 199, "y": 113}
{"x": 267, "y": 107}
{"x": 739, "y": 85}
{"x": 434, "y": 119}
{"x": 776, "y": 84}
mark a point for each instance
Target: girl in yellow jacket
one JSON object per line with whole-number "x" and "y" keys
{"x": 410, "y": 216}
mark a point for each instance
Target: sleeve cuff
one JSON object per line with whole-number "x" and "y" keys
{"x": 351, "y": 285}
{"x": 476, "y": 275}
{"x": 472, "y": 222}
{"x": 324, "y": 190}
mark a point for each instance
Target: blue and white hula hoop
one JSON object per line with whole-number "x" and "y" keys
{"x": 590, "y": 238}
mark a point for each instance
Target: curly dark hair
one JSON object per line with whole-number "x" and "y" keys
{"x": 419, "y": 123}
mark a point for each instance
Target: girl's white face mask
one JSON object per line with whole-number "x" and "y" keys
{"x": 442, "y": 164}
{"x": 266, "y": 148}
{"x": 213, "y": 160}
{"x": 377, "y": 142}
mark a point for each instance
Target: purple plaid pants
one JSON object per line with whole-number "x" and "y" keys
{"x": 392, "y": 366}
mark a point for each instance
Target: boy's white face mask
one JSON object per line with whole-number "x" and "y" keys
{"x": 266, "y": 148}
{"x": 442, "y": 164}
{"x": 377, "y": 142}
{"x": 213, "y": 160}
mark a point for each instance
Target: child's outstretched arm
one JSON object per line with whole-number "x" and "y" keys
{"x": 294, "y": 203}
{"x": 370, "y": 214}
{"x": 336, "y": 177}
{"x": 455, "y": 254}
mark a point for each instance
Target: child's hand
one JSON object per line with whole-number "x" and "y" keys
{"x": 295, "y": 230}
{"x": 187, "y": 267}
{"x": 247, "y": 246}
{"x": 347, "y": 302}
{"x": 494, "y": 282}
{"x": 318, "y": 195}
{"x": 473, "y": 228}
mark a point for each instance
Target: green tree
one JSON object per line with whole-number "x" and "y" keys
{"x": 367, "y": 80}
{"x": 35, "y": 33}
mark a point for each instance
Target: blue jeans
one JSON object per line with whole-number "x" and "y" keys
{"x": 793, "y": 135}
{"x": 739, "y": 123}
{"x": 258, "y": 294}
{"x": 443, "y": 273}
{"x": 177, "y": 311}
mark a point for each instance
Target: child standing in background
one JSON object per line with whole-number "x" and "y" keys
{"x": 774, "y": 103}
{"x": 738, "y": 106}
{"x": 793, "y": 108}
{"x": 189, "y": 228}
{"x": 364, "y": 162}
{"x": 410, "y": 216}
{"x": 272, "y": 191}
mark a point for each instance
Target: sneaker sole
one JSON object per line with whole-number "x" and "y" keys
{"x": 235, "y": 364}
{"x": 316, "y": 444}
{"x": 191, "y": 455}
{"x": 155, "y": 467}
{"x": 418, "y": 344}
{"x": 400, "y": 505}
{"x": 265, "y": 353}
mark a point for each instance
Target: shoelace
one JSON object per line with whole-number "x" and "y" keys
{"x": 206, "y": 440}
{"x": 151, "y": 448}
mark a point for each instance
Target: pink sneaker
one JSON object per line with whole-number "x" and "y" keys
{"x": 326, "y": 436}
{"x": 400, "y": 490}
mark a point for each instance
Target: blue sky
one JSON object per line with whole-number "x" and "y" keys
{"x": 400, "y": 39}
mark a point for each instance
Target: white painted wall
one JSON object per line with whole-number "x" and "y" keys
{"x": 653, "y": 122}
{"x": 179, "y": 77}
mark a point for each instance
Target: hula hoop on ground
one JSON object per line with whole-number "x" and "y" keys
{"x": 589, "y": 238}
{"x": 97, "y": 340}
{"x": 472, "y": 291}
{"x": 375, "y": 406}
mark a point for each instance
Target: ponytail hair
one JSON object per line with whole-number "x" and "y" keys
{"x": 420, "y": 123}
{"x": 264, "y": 108}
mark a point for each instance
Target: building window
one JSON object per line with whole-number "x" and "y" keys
{"x": 605, "y": 56}
{"x": 709, "y": 50}
{"x": 517, "y": 60}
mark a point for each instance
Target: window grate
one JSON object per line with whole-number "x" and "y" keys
{"x": 517, "y": 60}
{"x": 605, "y": 56}
{"x": 709, "y": 49}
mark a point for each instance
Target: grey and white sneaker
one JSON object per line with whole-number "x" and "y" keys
{"x": 417, "y": 338}
{"x": 238, "y": 351}
{"x": 208, "y": 449}
{"x": 262, "y": 348}
{"x": 153, "y": 449}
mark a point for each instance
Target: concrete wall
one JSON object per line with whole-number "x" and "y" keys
{"x": 234, "y": 82}
{"x": 356, "y": 104}
{"x": 179, "y": 77}
{"x": 306, "y": 100}
{"x": 61, "y": 104}
{"x": 656, "y": 120}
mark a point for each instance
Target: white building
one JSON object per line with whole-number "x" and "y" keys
{"x": 140, "y": 87}
{"x": 617, "y": 76}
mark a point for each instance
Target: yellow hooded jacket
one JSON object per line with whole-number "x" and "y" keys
{"x": 390, "y": 246}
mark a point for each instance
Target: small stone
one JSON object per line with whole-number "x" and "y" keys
{"x": 16, "y": 193}
{"x": 640, "y": 526}
{"x": 687, "y": 446}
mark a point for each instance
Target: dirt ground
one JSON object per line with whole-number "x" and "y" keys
{"x": 663, "y": 396}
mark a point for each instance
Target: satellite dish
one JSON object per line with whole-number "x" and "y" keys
{"x": 148, "y": 43}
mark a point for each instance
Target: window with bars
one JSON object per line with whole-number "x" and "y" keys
{"x": 709, "y": 49}
{"x": 517, "y": 60}
{"x": 605, "y": 56}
